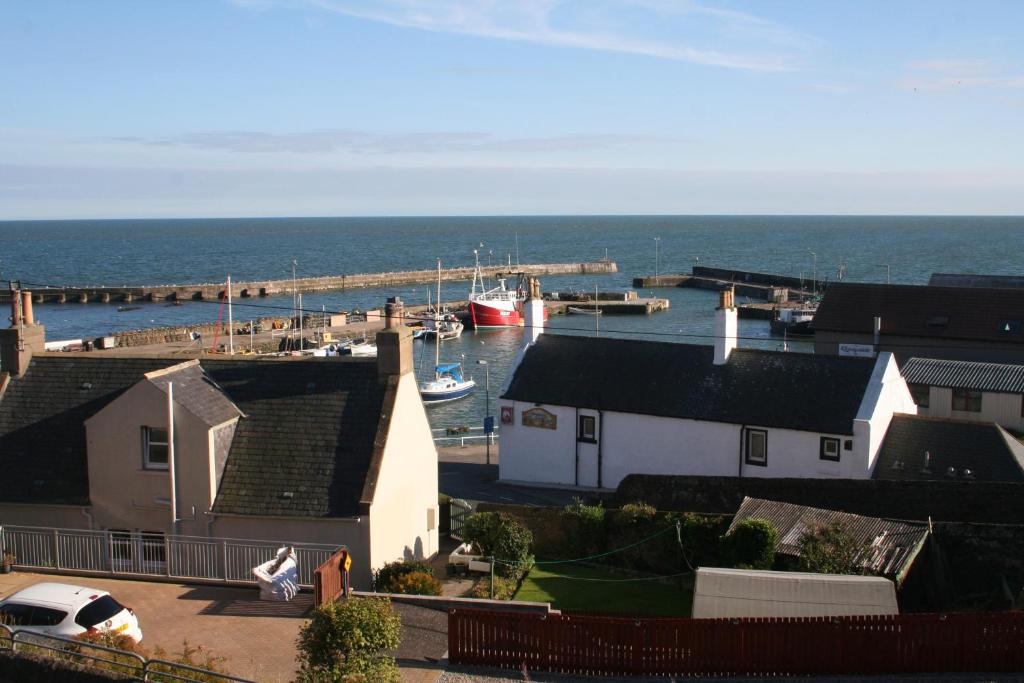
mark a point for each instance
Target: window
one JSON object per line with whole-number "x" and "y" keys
{"x": 829, "y": 449}
{"x": 45, "y": 616}
{"x": 588, "y": 429}
{"x": 98, "y": 611}
{"x": 121, "y": 544}
{"x": 848, "y": 445}
{"x": 15, "y": 614}
{"x": 755, "y": 444}
{"x": 154, "y": 552}
{"x": 154, "y": 448}
{"x": 920, "y": 392}
{"x": 967, "y": 400}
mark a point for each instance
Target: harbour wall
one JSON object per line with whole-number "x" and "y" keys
{"x": 259, "y": 288}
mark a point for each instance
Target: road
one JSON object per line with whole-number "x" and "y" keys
{"x": 463, "y": 472}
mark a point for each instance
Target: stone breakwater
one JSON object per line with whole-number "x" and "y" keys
{"x": 218, "y": 290}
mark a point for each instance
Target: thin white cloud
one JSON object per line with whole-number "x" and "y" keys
{"x": 368, "y": 143}
{"x": 675, "y": 30}
{"x": 949, "y": 74}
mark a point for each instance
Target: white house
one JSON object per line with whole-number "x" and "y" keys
{"x": 587, "y": 411}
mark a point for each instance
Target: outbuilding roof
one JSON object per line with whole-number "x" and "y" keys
{"x": 969, "y": 313}
{"x": 960, "y": 374}
{"x": 761, "y": 388}
{"x": 303, "y": 446}
{"x": 890, "y": 547}
{"x": 919, "y": 447}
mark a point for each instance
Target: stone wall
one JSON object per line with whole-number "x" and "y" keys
{"x": 981, "y": 502}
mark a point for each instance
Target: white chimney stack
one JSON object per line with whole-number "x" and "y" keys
{"x": 725, "y": 326}
{"x": 533, "y": 311}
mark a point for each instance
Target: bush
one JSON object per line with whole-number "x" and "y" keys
{"x": 344, "y": 642}
{"x": 504, "y": 589}
{"x": 584, "y": 526}
{"x": 504, "y": 537}
{"x": 415, "y": 583}
{"x": 830, "y": 549}
{"x": 386, "y": 578}
{"x": 635, "y": 513}
{"x": 700, "y": 537}
{"x": 751, "y": 544}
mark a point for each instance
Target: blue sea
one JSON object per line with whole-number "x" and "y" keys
{"x": 126, "y": 252}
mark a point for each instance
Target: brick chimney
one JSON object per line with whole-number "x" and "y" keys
{"x": 23, "y": 338}
{"x": 533, "y": 310}
{"x": 394, "y": 342}
{"x": 725, "y": 326}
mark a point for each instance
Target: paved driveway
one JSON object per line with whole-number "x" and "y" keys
{"x": 463, "y": 472}
{"x": 256, "y": 637}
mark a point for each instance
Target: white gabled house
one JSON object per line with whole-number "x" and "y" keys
{"x": 586, "y": 411}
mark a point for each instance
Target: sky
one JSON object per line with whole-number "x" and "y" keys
{"x": 482, "y": 107}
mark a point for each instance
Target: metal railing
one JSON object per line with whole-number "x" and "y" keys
{"x": 121, "y": 662}
{"x": 141, "y": 554}
{"x": 443, "y": 437}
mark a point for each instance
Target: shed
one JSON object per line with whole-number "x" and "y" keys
{"x": 752, "y": 593}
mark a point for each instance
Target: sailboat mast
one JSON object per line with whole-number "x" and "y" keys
{"x": 437, "y": 321}
{"x": 597, "y": 310}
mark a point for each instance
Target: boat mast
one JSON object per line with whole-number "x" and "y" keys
{"x": 437, "y": 323}
{"x": 597, "y": 310}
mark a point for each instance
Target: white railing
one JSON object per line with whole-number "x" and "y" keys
{"x": 152, "y": 554}
{"x": 121, "y": 662}
{"x": 445, "y": 437}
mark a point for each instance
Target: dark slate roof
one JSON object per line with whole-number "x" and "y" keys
{"x": 764, "y": 388}
{"x": 924, "y": 311}
{"x": 960, "y": 374}
{"x": 309, "y": 430}
{"x": 42, "y": 423}
{"x": 984, "y": 448}
{"x": 892, "y": 546}
{"x": 195, "y": 391}
{"x": 970, "y": 280}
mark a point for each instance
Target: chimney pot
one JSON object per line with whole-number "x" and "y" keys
{"x": 726, "y": 326}
{"x": 26, "y": 308}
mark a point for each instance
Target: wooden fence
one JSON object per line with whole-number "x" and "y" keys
{"x": 330, "y": 579}
{"x": 589, "y": 645}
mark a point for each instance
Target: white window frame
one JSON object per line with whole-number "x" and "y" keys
{"x": 748, "y": 435}
{"x": 581, "y": 434}
{"x": 823, "y": 453}
{"x": 147, "y": 441}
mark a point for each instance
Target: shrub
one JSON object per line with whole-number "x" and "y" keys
{"x": 504, "y": 589}
{"x": 386, "y": 578}
{"x": 346, "y": 641}
{"x": 635, "y": 513}
{"x": 415, "y": 583}
{"x": 584, "y": 526}
{"x": 830, "y": 549}
{"x": 504, "y": 537}
{"x": 700, "y": 538}
{"x": 751, "y": 544}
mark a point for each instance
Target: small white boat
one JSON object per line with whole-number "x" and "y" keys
{"x": 447, "y": 328}
{"x": 448, "y": 384}
{"x": 584, "y": 311}
{"x": 360, "y": 347}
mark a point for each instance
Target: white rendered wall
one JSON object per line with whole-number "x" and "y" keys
{"x": 887, "y": 393}
{"x": 538, "y": 455}
{"x": 1003, "y": 409}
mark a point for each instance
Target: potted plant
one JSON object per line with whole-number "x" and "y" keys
{"x": 7, "y": 562}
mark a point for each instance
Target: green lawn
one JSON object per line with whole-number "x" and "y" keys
{"x": 565, "y": 587}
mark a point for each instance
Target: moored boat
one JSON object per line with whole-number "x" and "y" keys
{"x": 584, "y": 311}
{"x": 796, "y": 322}
{"x": 448, "y": 384}
{"x": 496, "y": 307}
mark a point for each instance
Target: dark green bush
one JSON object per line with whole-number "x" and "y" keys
{"x": 751, "y": 544}
{"x": 584, "y": 527}
{"x": 347, "y": 641}
{"x": 385, "y": 578}
{"x": 504, "y": 537}
{"x": 415, "y": 583}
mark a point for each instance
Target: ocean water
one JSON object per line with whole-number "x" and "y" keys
{"x": 125, "y": 252}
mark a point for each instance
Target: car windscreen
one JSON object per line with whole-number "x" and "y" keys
{"x": 98, "y": 611}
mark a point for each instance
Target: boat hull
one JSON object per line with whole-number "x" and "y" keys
{"x": 441, "y": 396}
{"x": 483, "y": 316}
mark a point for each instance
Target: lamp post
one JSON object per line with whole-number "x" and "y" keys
{"x": 488, "y": 419}
{"x": 814, "y": 273}
{"x": 657, "y": 240}
{"x": 886, "y": 271}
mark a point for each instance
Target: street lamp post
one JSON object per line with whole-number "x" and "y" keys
{"x": 814, "y": 273}
{"x": 487, "y": 406}
{"x": 886, "y": 271}
{"x": 657, "y": 240}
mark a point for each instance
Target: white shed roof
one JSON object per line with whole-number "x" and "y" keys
{"x": 750, "y": 593}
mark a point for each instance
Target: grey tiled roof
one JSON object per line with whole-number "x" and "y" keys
{"x": 892, "y": 546}
{"x": 984, "y": 448}
{"x": 959, "y": 374}
{"x": 970, "y": 280}
{"x": 759, "y": 388}
{"x": 42, "y": 423}
{"x": 195, "y": 391}
{"x": 308, "y": 430}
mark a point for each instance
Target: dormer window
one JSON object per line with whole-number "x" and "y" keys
{"x": 154, "y": 448}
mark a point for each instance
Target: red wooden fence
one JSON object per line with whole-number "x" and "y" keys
{"x": 588, "y": 645}
{"x": 330, "y": 579}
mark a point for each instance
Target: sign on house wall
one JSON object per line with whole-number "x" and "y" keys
{"x": 538, "y": 417}
{"x": 857, "y": 350}
{"x": 506, "y": 415}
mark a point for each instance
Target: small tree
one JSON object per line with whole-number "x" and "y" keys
{"x": 346, "y": 641}
{"x": 504, "y": 537}
{"x": 831, "y": 549}
{"x": 751, "y": 544}
{"x": 387, "y": 577}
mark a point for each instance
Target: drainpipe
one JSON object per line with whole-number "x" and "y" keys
{"x": 739, "y": 472}
{"x": 576, "y": 478}
{"x": 171, "y": 461}
{"x": 88, "y": 515}
{"x": 600, "y": 446}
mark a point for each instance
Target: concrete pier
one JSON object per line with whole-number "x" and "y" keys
{"x": 764, "y": 286}
{"x": 330, "y": 283}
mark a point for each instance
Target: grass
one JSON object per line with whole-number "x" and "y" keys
{"x": 568, "y": 588}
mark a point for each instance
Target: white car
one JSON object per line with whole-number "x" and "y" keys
{"x": 60, "y": 609}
